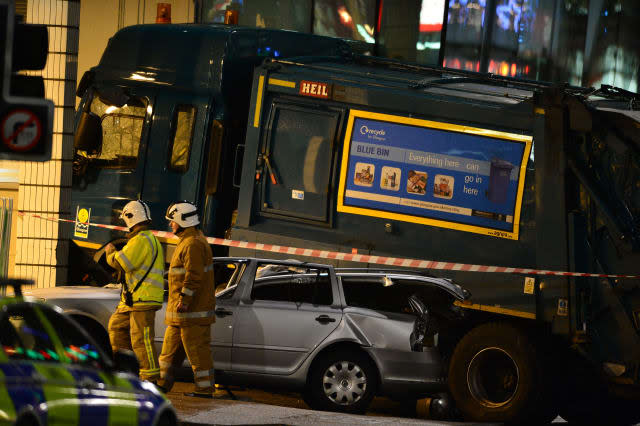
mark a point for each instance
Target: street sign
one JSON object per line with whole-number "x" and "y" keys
{"x": 26, "y": 118}
{"x": 21, "y": 130}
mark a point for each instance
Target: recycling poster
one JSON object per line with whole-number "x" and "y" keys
{"x": 433, "y": 173}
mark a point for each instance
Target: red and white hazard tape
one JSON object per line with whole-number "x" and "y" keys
{"x": 363, "y": 258}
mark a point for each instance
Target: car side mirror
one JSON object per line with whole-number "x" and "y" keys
{"x": 417, "y": 306}
{"x": 85, "y": 82}
{"x": 88, "y": 135}
{"x": 126, "y": 361}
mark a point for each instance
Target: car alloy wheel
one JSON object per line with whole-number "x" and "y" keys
{"x": 344, "y": 383}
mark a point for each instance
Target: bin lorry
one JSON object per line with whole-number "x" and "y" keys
{"x": 320, "y": 147}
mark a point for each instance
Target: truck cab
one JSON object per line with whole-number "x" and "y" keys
{"x": 162, "y": 118}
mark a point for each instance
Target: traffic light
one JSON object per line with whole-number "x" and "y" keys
{"x": 26, "y": 118}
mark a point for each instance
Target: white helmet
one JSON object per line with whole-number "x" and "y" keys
{"x": 183, "y": 213}
{"x": 135, "y": 212}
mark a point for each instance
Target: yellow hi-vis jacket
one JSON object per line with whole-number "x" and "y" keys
{"x": 135, "y": 258}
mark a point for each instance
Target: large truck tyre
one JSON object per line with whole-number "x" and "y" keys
{"x": 494, "y": 376}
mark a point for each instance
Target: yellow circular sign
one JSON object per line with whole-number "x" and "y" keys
{"x": 83, "y": 215}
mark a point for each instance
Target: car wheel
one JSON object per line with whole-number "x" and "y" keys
{"x": 494, "y": 375}
{"x": 343, "y": 381}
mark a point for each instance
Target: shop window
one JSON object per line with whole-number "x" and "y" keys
{"x": 183, "y": 123}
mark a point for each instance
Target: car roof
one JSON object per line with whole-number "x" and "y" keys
{"x": 395, "y": 274}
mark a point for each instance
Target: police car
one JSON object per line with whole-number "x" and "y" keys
{"x": 51, "y": 372}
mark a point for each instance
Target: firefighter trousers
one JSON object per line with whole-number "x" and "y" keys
{"x": 194, "y": 341}
{"x": 135, "y": 330}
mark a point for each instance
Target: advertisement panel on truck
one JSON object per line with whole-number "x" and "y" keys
{"x": 433, "y": 173}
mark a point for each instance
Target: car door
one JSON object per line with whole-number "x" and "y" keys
{"x": 41, "y": 379}
{"x": 222, "y": 329}
{"x": 174, "y": 155}
{"x": 101, "y": 392}
{"x": 282, "y": 319}
{"x": 64, "y": 372}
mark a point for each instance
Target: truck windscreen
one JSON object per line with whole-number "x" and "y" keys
{"x": 121, "y": 133}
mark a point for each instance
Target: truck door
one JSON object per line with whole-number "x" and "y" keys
{"x": 298, "y": 160}
{"x": 174, "y": 155}
{"x": 111, "y": 174}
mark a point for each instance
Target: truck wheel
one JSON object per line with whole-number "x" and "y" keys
{"x": 493, "y": 375}
{"x": 343, "y": 381}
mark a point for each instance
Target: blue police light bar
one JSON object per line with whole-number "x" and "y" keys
{"x": 26, "y": 118}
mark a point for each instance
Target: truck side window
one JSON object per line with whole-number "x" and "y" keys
{"x": 121, "y": 133}
{"x": 213, "y": 163}
{"x": 183, "y": 123}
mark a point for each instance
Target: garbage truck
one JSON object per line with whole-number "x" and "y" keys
{"x": 525, "y": 193}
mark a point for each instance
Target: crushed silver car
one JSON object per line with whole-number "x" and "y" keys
{"x": 340, "y": 336}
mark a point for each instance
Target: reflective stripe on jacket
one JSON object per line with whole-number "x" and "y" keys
{"x": 135, "y": 259}
{"x": 191, "y": 281}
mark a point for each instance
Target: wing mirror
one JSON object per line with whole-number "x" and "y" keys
{"x": 421, "y": 331}
{"x": 88, "y": 135}
{"x": 417, "y": 306}
{"x": 126, "y": 361}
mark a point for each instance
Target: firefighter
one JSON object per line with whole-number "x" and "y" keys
{"x": 190, "y": 309}
{"x": 132, "y": 325}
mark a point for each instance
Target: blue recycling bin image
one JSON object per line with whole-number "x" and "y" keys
{"x": 499, "y": 176}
